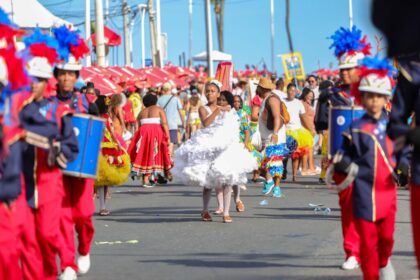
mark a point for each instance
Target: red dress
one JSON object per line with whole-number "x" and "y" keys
{"x": 149, "y": 148}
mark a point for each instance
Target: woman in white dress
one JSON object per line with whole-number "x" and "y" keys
{"x": 214, "y": 156}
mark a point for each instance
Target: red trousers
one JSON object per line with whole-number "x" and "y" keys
{"x": 77, "y": 210}
{"x": 376, "y": 243}
{"x": 415, "y": 220}
{"x": 47, "y": 219}
{"x": 29, "y": 251}
{"x": 351, "y": 240}
{"x": 9, "y": 253}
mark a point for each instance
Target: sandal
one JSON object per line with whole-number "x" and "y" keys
{"x": 218, "y": 211}
{"x": 227, "y": 219}
{"x": 206, "y": 217}
{"x": 104, "y": 212}
{"x": 240, "y": 207}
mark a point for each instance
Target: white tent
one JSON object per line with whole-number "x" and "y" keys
{"x": 216, "y": 56}
{"x": 30, "y": 14}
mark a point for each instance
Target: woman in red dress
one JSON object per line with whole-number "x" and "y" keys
{"x": 149, "y": 149}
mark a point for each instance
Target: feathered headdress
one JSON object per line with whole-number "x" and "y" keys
{"x": 8, "y": 30}
{"x": 42, "y": 45}
{"x": 349, "y": 46}
{"x": 70, "y": 44}
{"x": 376, "y": 75}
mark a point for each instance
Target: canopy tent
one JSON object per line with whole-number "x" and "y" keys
{"x": 111, "y": 38}
{"x": 216, "y": 56}
{"x": 30, "y": 14}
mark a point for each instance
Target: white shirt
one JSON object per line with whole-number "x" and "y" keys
{"x": 282, "y": 95}
{"x": 295, "y": 109}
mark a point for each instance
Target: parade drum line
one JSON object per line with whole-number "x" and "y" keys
{"x": 340, "y": 118}
{"x": 89, "y": 131}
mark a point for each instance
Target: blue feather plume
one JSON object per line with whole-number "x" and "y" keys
{"x": 65, "y": 38}
{"x": 37, "y": 37}
{"x": 4, "y": 18}
{"x": 379, "y": 64}
{"x": 345, "y": 40}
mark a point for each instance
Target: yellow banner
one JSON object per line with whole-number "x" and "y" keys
{"x": 293, "y": 66}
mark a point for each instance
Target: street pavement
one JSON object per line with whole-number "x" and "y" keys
{"x": 157, "y": 234}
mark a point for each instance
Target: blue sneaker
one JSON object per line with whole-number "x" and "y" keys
{"x": 277, "y": 192}
{"x": 268, "y": 187}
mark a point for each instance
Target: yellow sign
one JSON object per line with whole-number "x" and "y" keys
{"x": 293, "y": 66}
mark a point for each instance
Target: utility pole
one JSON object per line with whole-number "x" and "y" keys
{"x": 190, "y": 10}
{"x": 351, "y": 13}
{"x": 106, "y": 11}
{"x": 100, "y": 40}
{"x": 87, "y": 30}
{"x": 130, "y": 31}
{"x": 125, "y": 11}
{"x": 153, "y": 41}
{"x": 209, "y": 40}
{"x": 158, "y": 34}
{"x": 273, "y": 58}
{"x": 142, "y": 9}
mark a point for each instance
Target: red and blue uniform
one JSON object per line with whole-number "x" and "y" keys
{"x": 78, "y": 206}
{"x": 43, "y": 178}
{"x": 340, "y": 96}
{"x": 374, "y": 190}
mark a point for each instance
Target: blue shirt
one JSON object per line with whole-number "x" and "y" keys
{"x": 172, "y": 110}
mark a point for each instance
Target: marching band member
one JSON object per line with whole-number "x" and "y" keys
{"x": 349, "y": 47}
{"x": 78, "y": 206}
{"x": 367, "y": 150}
{"x": 403, "y": 44}
{"x": 43, "y": 177}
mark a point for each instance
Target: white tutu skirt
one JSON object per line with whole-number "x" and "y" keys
{"x": 213, "y": 156}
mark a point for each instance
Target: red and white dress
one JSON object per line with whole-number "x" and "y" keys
{"x": 149, "y": 148}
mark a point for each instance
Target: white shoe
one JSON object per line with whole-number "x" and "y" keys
{"x": 83, "y": 263}
{"x": 350, "y": 264}
{"x": 242, "y": 187}
{"x": 68, "y": 274}
{"x": 387, "y": 272}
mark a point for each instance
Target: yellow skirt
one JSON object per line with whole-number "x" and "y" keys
{"x": 113, "y": 174}
{"x": 304, "y": 139}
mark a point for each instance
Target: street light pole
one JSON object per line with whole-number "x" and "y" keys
{"x": 351, "y": 13}
{"x": 273, "y": 59}
{"x": 142, "y": 9}
{"x": 100, "y": 38}
{"x": 209, "y": 40}
{"x": 158, "y": 34}
{"x": 125, "y": 11}
{"x": 87, "y": 30}
{"x": 190, "y": 9}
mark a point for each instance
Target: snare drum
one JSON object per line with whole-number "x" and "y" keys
{"x": 340, "y": 119}
{"x": 89, "y": 131}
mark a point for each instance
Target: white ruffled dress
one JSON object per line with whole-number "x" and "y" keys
{"x": 214, "y": 156}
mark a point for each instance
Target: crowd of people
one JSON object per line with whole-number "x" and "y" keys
{"x": 209, "y": 135}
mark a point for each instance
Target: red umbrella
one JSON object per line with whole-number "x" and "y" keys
{"x": 111, "y": 38}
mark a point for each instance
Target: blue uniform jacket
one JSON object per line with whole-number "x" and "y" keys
{"x": 366, "y": 144}
{"x": 52, "y": 120}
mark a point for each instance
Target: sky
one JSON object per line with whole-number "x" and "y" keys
{"x": 247, "y": 26}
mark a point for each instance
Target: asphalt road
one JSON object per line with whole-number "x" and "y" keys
{"x": 158, "y": 234}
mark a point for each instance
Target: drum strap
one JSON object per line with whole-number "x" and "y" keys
{"x": 166, "y": 105}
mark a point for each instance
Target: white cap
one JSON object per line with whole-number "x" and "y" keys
{"x": 3, "y": 72}
{"x": 374, "y": 83}
{"x": 347, "y": 60}
{"x": 71, "y": 65}
{"x": 39, "y": 67}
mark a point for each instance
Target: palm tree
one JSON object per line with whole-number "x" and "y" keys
{"x": 219, "y": 6}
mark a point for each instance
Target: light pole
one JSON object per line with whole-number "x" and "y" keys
{"x": 142, "y": 9}
{"x": 273, "y": 59}
{"x": 100, "y": 38}
{"x": 351, "y": 13}
{"x": 190, "y": 10}
{"x": 87, "y": 29}
{"x": 209, "y": 40}
{"x": 158, "y": 34}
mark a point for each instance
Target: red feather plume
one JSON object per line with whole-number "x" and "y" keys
{"x": 42, "y": 50}
{"x": 15, "y": 68}
{"x": 79, "y": 51}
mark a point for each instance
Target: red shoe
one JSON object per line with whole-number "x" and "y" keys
{"x": 206, "y": 217}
